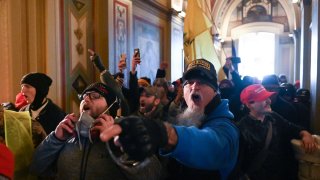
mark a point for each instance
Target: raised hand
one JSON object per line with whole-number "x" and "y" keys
{"x": 96, "y": 60}
{"x": 66, "y": 127}
{"x": 91, "y": 53}
{"x": 102, "y": 124}
{"x": 164, "y": 65}
{"x": 229, "y": 65}
{"x": 122, "y": 63}
{"x": 134, "y": 62}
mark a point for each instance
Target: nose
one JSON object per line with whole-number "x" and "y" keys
{"x": 268, "y": 101}
{"x": 86, "y": 98}
{"x": 195, "y": 85}
{"x": 22, "y": 89}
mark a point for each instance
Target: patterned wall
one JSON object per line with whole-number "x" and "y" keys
{"x": 78, "y": 37}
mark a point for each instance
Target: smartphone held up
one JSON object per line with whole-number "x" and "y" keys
{"x": 123, "y": 61}
{"x": 136, "y": 54}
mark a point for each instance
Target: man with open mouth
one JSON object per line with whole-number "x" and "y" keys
{"x": 266, "y": 151}
{"x": 205, "y": 142}
{"x": 149, "y": 104}
{"x": 74, "y": 149}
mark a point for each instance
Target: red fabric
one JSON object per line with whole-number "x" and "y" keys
{"x": 297, "y": 84}
{"x": 20, "y": 101}
{"x": 6, "y": 161}
{"x": 254, "y": 93}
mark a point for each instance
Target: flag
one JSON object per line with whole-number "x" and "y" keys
{"x": 235, "y": 60}
{"x": 234, "y": 52}
{"x": 204, "y": 48}
{"x": 197, "y": 36}
{"x": 195, "y": 23}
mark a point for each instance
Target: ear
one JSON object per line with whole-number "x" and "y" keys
{"x": 248, "y": 105}
{"x": 157, "y": 101}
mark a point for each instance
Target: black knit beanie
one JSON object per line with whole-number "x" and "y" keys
{"x": 106, "y": 92}
{"x": 41, "y": 82}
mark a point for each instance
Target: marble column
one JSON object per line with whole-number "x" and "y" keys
{"x": 315, "y": 68}
{"x": 305, "y": 43}
{"x": 297, "y": 42}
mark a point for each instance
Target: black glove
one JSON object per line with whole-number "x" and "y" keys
{"x": 97, "y": 62}
{"x": 141, "y": 137}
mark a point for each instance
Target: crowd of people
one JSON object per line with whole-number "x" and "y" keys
{"x": 193, "y": 128}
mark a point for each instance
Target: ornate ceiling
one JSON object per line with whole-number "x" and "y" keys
{"x": 229, "y": 14}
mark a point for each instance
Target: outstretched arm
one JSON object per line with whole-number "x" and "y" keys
{"x": 213, "y": 147}
{"x": 139, "y": 137}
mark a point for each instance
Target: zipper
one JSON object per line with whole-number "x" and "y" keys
{"x": 85, "y": 155}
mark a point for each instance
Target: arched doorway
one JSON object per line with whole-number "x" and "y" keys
{"x": 257, "y": 58}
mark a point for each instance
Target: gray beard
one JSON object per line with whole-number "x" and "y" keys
{"x": 191, "y": 117}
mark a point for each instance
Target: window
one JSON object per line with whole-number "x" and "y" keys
{"x": 257, "y": 52}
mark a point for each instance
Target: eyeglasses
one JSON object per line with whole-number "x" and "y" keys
{"x": 92, "y": 95}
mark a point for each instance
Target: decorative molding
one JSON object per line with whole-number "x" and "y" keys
{"x": 79, "y": 47}
{"x": 225, "y": 12}
{"x": 78, "y": 32}
{"x": 76, "y": 19}
{"x": 78, "y": 4}
{"x": 255, "y": 27}
{"x": 122, "y": 23}
{"x": 153, "y": 7}
{"x": 79, "y": 84}
{"x": 285, "y": 40}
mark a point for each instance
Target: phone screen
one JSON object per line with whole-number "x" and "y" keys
{"x": 136, "y": 52}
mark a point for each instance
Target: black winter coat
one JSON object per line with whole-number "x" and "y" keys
{"x": 280, "y": 162}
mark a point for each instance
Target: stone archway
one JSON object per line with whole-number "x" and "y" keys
{"x": 223, "y": 12}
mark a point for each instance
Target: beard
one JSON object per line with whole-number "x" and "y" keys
{"x": 147, "y": 108}
{"x": 191, "y": 117}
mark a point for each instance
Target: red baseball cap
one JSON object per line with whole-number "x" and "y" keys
{"x": 254, "y": 93}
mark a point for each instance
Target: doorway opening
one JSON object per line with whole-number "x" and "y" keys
{"x": 257, "y": 52}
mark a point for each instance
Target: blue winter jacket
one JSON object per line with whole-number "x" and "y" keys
{"x": 214, "y": 146}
